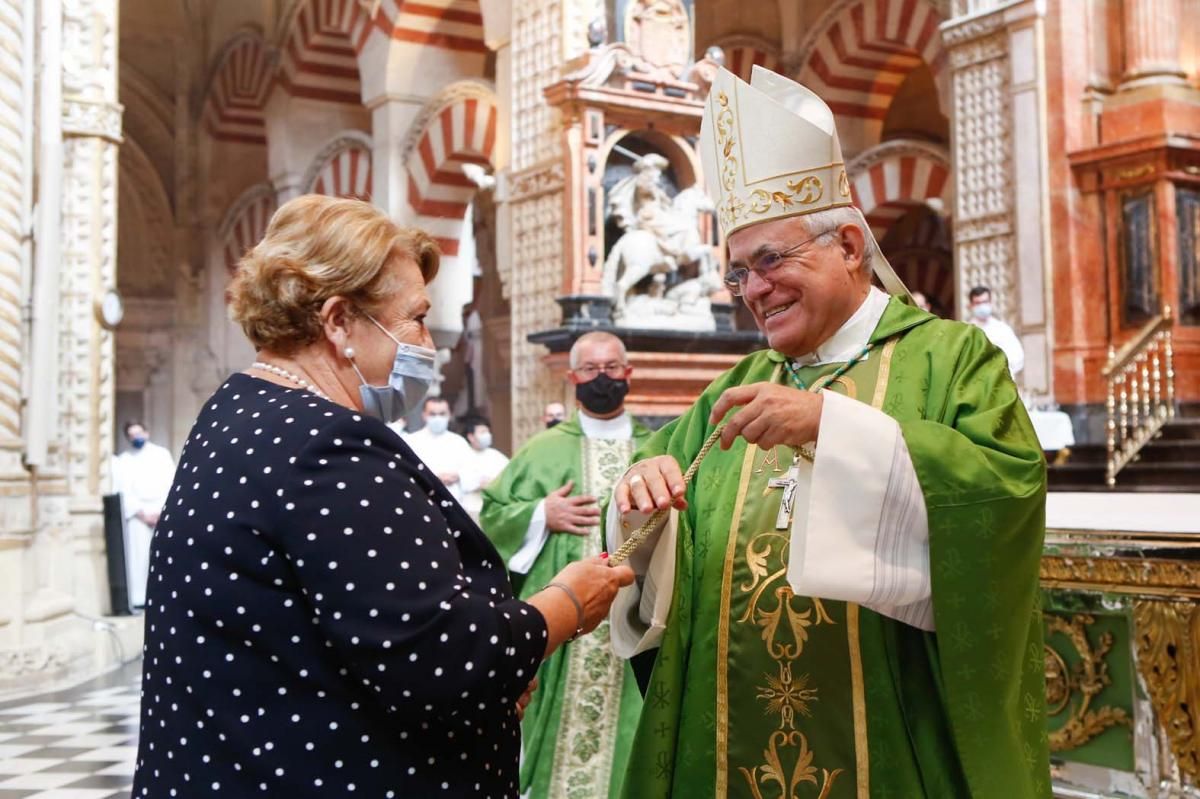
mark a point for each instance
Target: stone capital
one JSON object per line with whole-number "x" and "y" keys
{"x": 96, "y": 119}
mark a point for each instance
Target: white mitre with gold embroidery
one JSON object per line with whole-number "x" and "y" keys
{"x": 770, "y": 150}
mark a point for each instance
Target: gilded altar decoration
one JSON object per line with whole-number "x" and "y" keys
{"x": 1148, "y": 575}
{"x": 1086, "y": 680}
{"x": 1168, "y": 654}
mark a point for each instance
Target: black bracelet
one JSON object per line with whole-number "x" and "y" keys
{"x": 578, "y": 608}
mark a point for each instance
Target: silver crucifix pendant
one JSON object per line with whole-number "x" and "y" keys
{"x": 789, "y": 483}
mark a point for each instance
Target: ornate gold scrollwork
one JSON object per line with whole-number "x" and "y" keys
{"x": 1168, "y": 655}
{"x": 788, "y": 780}
{"x": 1124, "y": 575}
{"x": 1058, "y": 682}
{"x": 1088, "y": 678}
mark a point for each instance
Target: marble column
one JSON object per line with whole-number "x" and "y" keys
{"x": 52, "y": 566}
{"x": 1001, "y": 234}
{"x": 91, "y": 129}
{"x": 1152, "y": 43}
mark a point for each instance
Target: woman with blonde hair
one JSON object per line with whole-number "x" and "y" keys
{"x": 323, "y": 618}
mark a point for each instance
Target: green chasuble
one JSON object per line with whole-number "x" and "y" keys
{"x": 579, "y": 726}
{"x": 760, "y": 694}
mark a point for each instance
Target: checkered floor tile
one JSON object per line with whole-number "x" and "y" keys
{"x": 74, "y": 744}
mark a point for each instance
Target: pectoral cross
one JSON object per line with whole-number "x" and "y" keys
{"x": 789, "y": 483}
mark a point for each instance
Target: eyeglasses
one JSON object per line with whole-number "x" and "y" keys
{"x": 590, "y": 370}
{"x": 764, "y": 265}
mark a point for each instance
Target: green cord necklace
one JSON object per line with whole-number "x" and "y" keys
{"x": 642, "y": 533}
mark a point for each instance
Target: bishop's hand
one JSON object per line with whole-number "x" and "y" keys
{"x": 770, "y": 415}
{"x": 650, "y": 485}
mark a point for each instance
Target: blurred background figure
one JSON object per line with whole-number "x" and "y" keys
{"x": 542, "y": 514}
{"x": 486, "y": 461}
{"x": 554, "y": 413}
{"x": 922, "y": 301}
{"x": 142, "y": 475}
{"x": 998, "y": 332}
{"x": 400, "y": 427}
{"x": 448, "y": 454}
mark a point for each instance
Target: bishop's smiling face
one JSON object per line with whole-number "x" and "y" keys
{"x": 812, "y": 292}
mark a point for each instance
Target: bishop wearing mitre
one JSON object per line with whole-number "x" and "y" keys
{"x": 842, "y": 599}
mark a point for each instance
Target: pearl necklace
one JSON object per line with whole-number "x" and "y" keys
{"x": 286, "y": 375}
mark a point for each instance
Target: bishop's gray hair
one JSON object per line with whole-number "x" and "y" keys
{"x": 830, "y": 219}
{"x": 594, "y": 337}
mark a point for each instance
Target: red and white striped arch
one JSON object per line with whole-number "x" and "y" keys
{"x": 888, "y": 179}
{"x": 866, "y": 52}
{"x": 245, "y": 223}
{"x": 455, "y": 25}
{"x": 343, "y": 168}
{"x": 459, "y": 128}
{"x": 923, "y": 260}
{"x": 238, "y": 91}
{"x": 743, "y": 53}
{"x": 325, "y": 37}
{"x": 320, "y": 60}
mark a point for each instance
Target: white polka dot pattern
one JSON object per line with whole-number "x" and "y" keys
{"x": 323, "y": 618}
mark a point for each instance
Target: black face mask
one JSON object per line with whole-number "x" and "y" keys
{"x": 601, "y": 395}
{"x": 553, "y": 423}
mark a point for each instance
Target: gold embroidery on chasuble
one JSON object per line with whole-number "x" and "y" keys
{"x": 592, "y": 701}
{"x": 791, "y": 717}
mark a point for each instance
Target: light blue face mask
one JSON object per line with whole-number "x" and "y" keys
{"x": 412, "y": 372}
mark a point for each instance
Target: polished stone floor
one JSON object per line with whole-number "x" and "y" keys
{"x": 79, "y": 743}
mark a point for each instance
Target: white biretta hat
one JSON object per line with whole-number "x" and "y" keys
{"x": 770, "y": 150}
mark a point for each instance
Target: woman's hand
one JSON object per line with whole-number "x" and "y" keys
{"x": 593, "y": 583}
{"x": 523, "y": 699}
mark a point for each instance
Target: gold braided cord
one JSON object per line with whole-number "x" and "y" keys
{"x": 640, "y": 535}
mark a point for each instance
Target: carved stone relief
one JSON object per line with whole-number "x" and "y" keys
{"x": 660, "y": 238}
{"x": 984, "y": 235}
{"x": 537, "y": 250}
{"x": 659, "y": 31}
{"x": 537, "y": 58}
{"x": 545, "y": 32}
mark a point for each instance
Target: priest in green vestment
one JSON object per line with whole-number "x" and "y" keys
{"x": 843, "y": 598}
{"x": 542, "y": 513}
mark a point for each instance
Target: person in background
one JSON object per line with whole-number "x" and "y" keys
{"x": 487, "y": 462}
{"x": 554, "y": 413}
{"x": 142, "y": 475}
{"x": 542, "y": 514}
{"x": 447, "y": 454}
{"x": 400, "y": 427}
{"x": 922, "y": 302}
{"x": 979, "y": 301}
